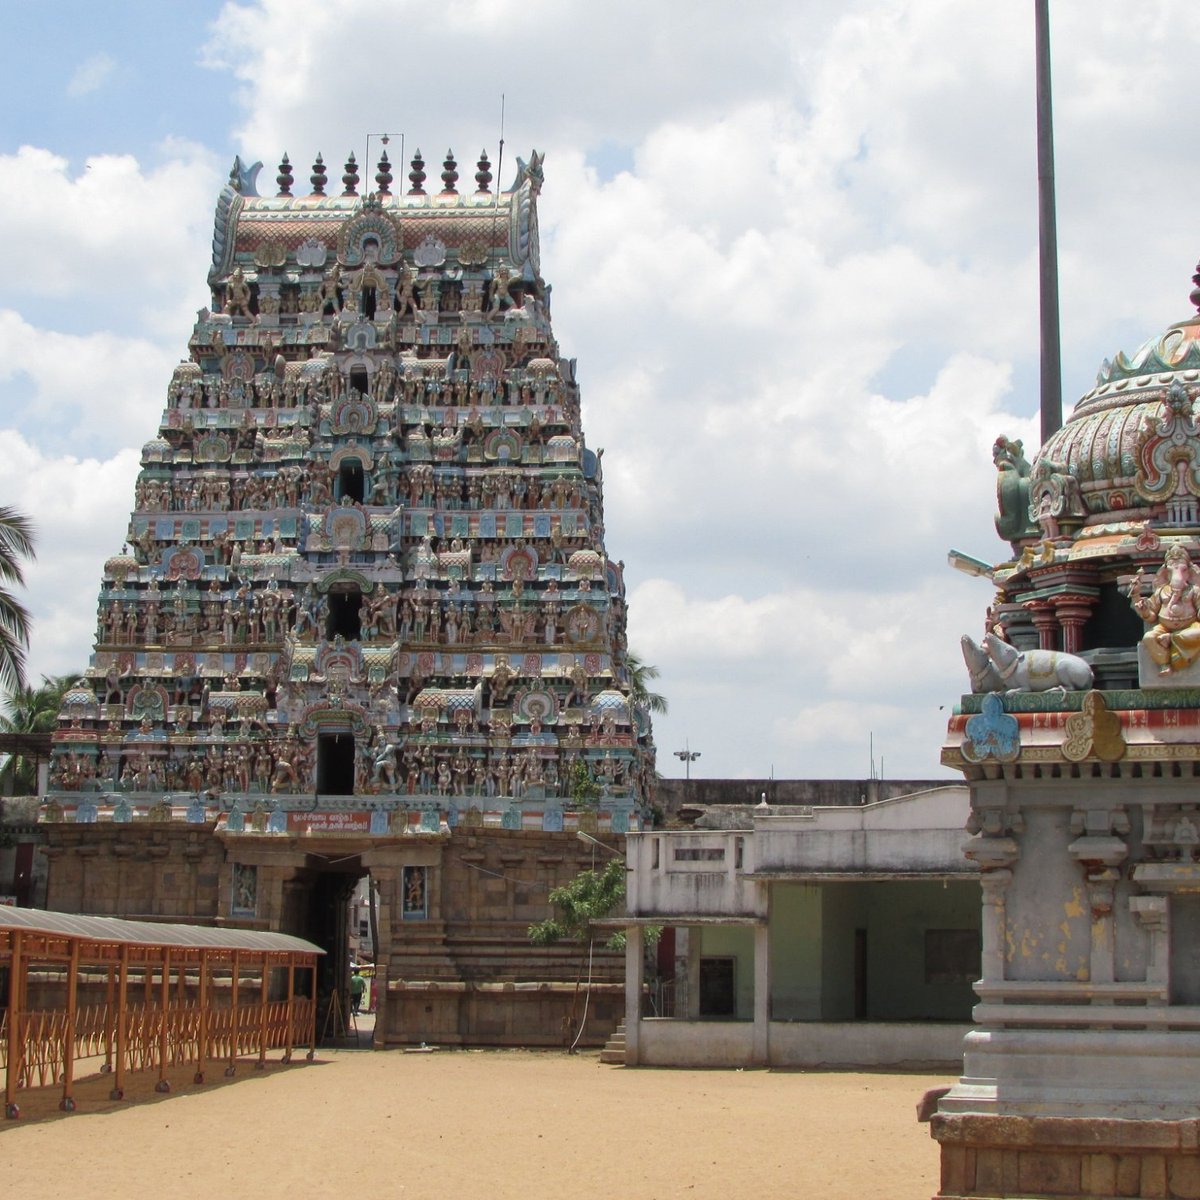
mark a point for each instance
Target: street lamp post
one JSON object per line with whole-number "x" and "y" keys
{"x": 687, "y": 756}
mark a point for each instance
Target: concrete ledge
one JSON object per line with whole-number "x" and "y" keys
{"x": 923, "y": 1045}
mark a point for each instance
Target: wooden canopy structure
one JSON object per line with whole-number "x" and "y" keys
{"x": 139, "y": 995}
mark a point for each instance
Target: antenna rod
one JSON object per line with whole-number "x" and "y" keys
{"x": 1051, "y": 368}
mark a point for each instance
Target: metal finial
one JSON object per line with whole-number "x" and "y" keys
{"x": 350, "y": 178}
{"x": 449, "y": 174}
{"x": 284, "y": 178}
{"x": 318, "y": 177}
{"x": 417, "y": 175}
{"x": 483, "y": 176}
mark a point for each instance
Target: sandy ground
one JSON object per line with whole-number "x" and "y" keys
{"x": 479, "y": 1124}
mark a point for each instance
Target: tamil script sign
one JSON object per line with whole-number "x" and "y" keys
{"x": 328, "y": 822}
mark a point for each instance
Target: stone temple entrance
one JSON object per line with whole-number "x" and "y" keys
{"x": 300, "y": 886}
{"x": 324, "y": 889}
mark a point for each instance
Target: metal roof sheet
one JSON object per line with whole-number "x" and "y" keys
{"x": 150, "y": 933}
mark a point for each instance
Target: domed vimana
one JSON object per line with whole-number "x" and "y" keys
{"x": 1102, "y": 501}
{"x": 365, "y": 622}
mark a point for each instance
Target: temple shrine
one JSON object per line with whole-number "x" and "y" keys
{"x": 1080, "y": 741}
{"x": 365, "y": 622}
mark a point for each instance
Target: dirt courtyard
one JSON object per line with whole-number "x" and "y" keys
{"x": 479, "y": 1124}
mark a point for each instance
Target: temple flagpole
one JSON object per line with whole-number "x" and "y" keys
{"x": 1051, "y": 356}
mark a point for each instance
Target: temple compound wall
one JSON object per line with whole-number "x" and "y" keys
{"x": 365, "y": 621}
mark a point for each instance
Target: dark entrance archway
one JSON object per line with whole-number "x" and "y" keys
{"x": 322, "y": 891}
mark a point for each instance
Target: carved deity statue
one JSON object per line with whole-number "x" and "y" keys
{"x": 237, "y": 295}
{"x": 1173, "y": 610}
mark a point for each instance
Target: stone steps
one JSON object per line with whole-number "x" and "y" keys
{"x": 614, "y": 1048}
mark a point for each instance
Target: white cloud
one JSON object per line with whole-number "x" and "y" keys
{"x": 80, "y": 508}
{"x": 91, "y": 75}
{"x": 109, "y": 244}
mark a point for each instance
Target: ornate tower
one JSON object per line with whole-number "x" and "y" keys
{"x": 1080, "y": 1079}
{"x": 366, "y": 591}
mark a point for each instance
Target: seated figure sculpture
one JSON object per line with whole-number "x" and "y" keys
{"x": 1173, "y": 610}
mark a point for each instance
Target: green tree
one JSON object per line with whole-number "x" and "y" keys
{"x": 581, "y": 786}
{"x": 590, "y": 896}
{"x": 30, "y": 710}
{"x": 640, "y": 675}
{"x": 16, "y": 547}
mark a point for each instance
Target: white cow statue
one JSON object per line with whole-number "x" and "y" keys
{"x": 1036, "y": 670}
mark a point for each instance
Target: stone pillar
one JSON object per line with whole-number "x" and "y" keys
{"x": 762, "y": 994}
{"x": 993, "y": 934}
{"x": 1045, "y": 621}
{"x": 1073, "y": 611}
{"x": 1153, "y": 914}
{"x": 386, "y": 879}
{"x": 634, "y": 967}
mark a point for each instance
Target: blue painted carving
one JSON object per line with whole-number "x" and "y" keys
{"x": 993, "y": 733}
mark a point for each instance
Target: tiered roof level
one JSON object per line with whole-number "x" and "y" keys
{"x": 365, "y": 580}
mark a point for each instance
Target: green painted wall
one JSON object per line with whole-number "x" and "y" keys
{"x": 796, "y": 952}
{"x": 843, "y": 910}
{"x": 812, "y": 949}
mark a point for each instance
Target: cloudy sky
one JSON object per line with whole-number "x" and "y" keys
{"x": 792, "y": 245}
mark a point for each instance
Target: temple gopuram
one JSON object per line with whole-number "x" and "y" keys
{"x": 365, "y": 622}
{"x": 1080, "y": 741}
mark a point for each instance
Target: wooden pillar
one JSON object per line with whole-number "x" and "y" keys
{"x": 291, "y": 1009}
{"x": 234, "y": 1022}
{"x": 12, "y": 1066}
{"x": 109, "y": 1018}
{"x": 264, "y": 999}
{"x": 118, "y": 1088}
{"x": 164, "y": 1017}
{"x": 312, "y": 1026}
{"x": 67, "y": 1103}
{"x": 202, "y": 1000}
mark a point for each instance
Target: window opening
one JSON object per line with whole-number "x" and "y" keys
{"x": 345, "y": 615}
{"x": 351, "y": 483}
{"x": 335, "y": 764}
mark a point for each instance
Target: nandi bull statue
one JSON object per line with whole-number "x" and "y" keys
{"x": 995, "y": 666}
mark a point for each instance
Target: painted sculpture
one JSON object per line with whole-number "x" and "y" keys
{"x": 996, "y": 666}
{"x": 1172, "y": 609}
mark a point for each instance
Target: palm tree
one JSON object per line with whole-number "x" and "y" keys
{"x": 640, "y": 674}
{"x": 30, "y": 710}
{"x": 16, "y": 545}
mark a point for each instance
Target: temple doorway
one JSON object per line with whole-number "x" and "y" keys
{"x": 322, "y": 890}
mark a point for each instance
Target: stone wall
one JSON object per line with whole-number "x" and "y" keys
{"x": 673, "y": 794}
{"x": 461, "y": 972}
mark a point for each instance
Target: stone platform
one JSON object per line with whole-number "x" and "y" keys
{"x": 1036, "y": 1157}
